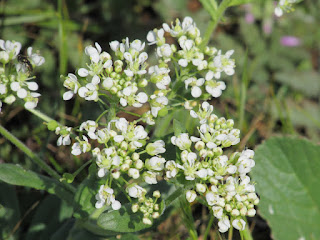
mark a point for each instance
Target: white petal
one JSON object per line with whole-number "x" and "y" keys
{"x": 22, "y": 93}
{"x": 196, "y": 92}
{"x": 67, "y": 95}
{"x": 83, "y": 72}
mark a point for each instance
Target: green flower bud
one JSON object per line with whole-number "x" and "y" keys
{"x": 156, "y": 194}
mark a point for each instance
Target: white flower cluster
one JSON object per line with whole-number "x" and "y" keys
{"x": 208, "y": 63}
{"x": 222, "y": 181}
{"x": 122, "y": 150}
{"x": 284, "y": 6}
{"x": 15, "y": 74}
{"x": 117, "y": 157}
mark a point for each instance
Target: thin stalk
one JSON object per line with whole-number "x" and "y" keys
{"x": 206, "y": 233}
{"x": 243, "y": 92}
{"x": 33, "y": 157}
{"x": 246, "y": 232}
{"x": 215, "y": 18}
{"x": 188, "y": 218}
{"x": 41, "y": 115}
{"x": 81, "y": 168}
{"x": 63, "y": 48}
{"x": 230, "y": 233}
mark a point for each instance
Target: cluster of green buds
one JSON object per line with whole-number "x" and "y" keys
{"x": 16, "y": 74}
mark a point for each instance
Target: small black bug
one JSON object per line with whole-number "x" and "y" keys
{"x": 24, "y": 60}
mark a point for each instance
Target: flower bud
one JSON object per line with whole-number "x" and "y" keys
{"x": 156, "y": 207}
{"x": 142, "y": 83}
{"x": 156, "y": 194}
{"x": 235, "y": 212}
{"x": 228, "y": 208}
{"x": 243, "y": 211}
{"x": 155, "y": 215}
{"x": 135, "y": 208}
{"x": 199, "y": 145}
{"x": 135, "y": 156}
{"x": 251, "y": 212}
{"x": 147, "y": 221}
{"x": 213, "y": 181}
{"x": 191, "y": 195}
{"x": 124, "y": 167}
{"x": 139, "y": 164}
{"x": 201, "y": 188}
{"x": 115, "y": 175}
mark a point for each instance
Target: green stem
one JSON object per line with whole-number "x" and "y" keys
{"x": 230, "y": 233}
{"x": 188, "y": 218}
{"x": 41, "y": 115}
{"x": 246, "y": 232}
{"x": 33, "y": 157}
{"x": 103, "y": 113}
{"x": 206, "y": 233}
{"x": 81, "y": 168}
{"x": 215, "y": 18}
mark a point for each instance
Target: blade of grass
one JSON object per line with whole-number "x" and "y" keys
{"x": 243, "y": 92}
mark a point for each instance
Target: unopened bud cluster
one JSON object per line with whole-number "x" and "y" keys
{"x": 16, "y": 74}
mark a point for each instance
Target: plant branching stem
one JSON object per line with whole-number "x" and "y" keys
{"x": 215, "y": 18}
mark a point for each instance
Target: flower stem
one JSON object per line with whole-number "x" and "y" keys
{"x": 230, "y": 233}
{"x": 33, "y": 157}
{"x": 41, "y": 115}
{"x": 246, "y": 232}
{"x": 206, "y": 233}
{"x": 215, "y": 18}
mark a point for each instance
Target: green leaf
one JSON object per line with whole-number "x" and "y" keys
{"x": 306, "y": 82}
{"x": 178, "y": 127}
{"x": 85, "y": 197}
{"x": 122, "y": 220}
{"x": 287, "y": 174}
{"x": 16, "y": 175}
{"x": 42, "y": 225}
{"x": 9, "y": 210}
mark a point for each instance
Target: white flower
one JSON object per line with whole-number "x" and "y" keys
{"x": 90, "y": 126}
{"x": 71, "y": 83}
{"x": 239, "y": 224}
{"x": 136, "y": 191}
{"x": 155, "y": 163}
{"x": 89, "y": 92}
{"x": 155, "y": 36}
{"x": 156, "y": 148}
{"x": 191, "y": 195}
{"x": 12, "y": 48}
{"x": 105, "y": 196}
{"x": 224, "y": 224}
{"x": 134, "y": 173}
{"x": 150, "y": 177}
{"x": 35, "y": 58}
{"x": 217, "y": 211}
{"x": 196, "y": 84}
{"x": 172, "y": 169}
{"x": 80, "y": 146}
{"x": 215, "y": 88}
{"x": 64, "y": 139}
{"x": 121, "y": 124}
{"x": 93, "y": 53}
{"x": 182, "y": 141}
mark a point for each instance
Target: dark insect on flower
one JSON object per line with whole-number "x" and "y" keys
{"x": 26, "y": 64}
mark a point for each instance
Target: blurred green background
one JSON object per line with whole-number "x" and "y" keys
{"x": 277, "y": 91}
